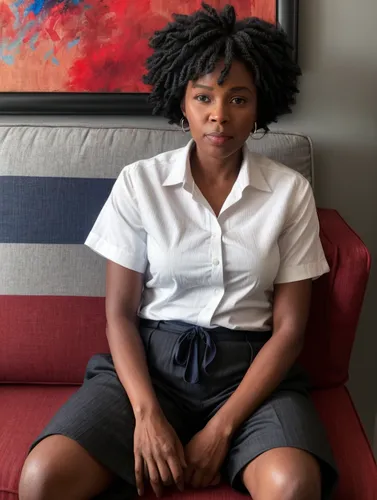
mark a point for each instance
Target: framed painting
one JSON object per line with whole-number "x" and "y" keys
{"x": 87, "y": 56}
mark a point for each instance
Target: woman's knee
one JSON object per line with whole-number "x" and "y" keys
{"x": 284, "y": 474}
{"x": 293, "y": 485}
{"x": 59, "y": 468}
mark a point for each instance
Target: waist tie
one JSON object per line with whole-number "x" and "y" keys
{"x": 186, "y": 350}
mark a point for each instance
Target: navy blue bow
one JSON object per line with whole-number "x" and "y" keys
{"x": 186, "y": 352}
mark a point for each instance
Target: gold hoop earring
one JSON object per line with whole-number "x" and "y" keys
{"x": 184, "y": 129}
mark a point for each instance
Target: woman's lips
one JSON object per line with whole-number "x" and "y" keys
{"x": 218, "y": 140}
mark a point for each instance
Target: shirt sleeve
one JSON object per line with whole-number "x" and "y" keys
{"x": 301, "y": 253}
{"x": 118, "y": 233}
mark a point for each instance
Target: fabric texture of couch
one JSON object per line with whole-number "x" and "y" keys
{"x": 53, "y": 182}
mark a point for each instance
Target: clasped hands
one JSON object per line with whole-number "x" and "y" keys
{"x": 161, "y": 459}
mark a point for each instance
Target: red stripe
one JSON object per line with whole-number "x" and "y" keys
{"x": 49, "y": 339}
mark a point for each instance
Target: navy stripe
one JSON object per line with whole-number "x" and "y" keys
{"x": 50, "y": 209}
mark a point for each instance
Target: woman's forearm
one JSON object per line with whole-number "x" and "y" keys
{"x": 130, "y": 364}
{"x": 265, "y": 373}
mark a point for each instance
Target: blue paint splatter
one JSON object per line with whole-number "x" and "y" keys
{"x": 18, "y": 3}
{"x": 8, "y": 59}
{"x": 14, "y": 9}
{"x": 21, "y": 36}
{"x": 73, "y": 43}
{"x": 40, "y": 5}
{"x": 36, "y": 7}
{"x": 55, "y": 61}
{"x": 32, "y": 41}
{"x": 48, "y": 54}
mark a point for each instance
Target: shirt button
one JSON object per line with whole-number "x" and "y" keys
{"x": 215, "y": 262}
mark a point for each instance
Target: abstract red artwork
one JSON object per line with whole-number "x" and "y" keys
{"x": 89, "y": 45}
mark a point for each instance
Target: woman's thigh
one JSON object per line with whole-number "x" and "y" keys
{"x": 99, "y": 419}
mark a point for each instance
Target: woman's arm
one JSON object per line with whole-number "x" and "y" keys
{"x": 123, "y": 296}
{"x": 158, "y": 452}
{"x": 290, "y": 313}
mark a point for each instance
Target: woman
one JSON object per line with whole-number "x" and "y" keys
{"x": 211, "y": 252}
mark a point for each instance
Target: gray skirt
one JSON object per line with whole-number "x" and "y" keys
{"x": 194, "y": 371}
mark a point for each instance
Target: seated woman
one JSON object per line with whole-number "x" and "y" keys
{"x": 211, "y": 253}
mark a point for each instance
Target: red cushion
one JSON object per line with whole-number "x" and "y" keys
{"x": 353, "y": 454}
{"x": 25, "y": 410}
{"x": 49, "y": 339}
{"x": 336, "y": 303}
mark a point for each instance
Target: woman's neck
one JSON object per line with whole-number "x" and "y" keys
{"x": 213, "y": 170}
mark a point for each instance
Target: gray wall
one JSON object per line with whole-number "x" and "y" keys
{"x": 338, "y": 109}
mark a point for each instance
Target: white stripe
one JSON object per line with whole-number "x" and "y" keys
{"x": 103, "y": 152}
{"x": 51, "y": 270}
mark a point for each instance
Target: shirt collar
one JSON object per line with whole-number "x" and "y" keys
{"x": 180, "y": 171}
{"x": 250, "y": 173}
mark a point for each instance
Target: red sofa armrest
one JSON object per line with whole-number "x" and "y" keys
{"x": 336, "y": 302}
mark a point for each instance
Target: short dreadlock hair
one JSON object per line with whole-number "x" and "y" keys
{"x": 192, "y": 45}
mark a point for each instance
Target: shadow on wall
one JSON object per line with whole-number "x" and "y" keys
{"x": 337, "y": 108}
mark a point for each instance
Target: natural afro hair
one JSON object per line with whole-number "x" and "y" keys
{"x": 192, "y": 45}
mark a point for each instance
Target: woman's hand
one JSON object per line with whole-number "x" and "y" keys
{"x": 159, "y": 454}
{"x": 205, "y": 454}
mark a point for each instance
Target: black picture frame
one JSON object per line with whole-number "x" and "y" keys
{"x": 93, "y": 103}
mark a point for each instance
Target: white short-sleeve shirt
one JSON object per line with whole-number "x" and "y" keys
{"x": 208, "y": 270}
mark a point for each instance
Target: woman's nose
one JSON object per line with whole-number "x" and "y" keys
{"x": 219, "y": 114}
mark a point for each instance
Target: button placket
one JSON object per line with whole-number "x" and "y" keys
{"x": 216, "y": 249}
{"x": 217, "y": 278}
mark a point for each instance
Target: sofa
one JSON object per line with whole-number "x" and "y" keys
{"x": 53, "y": 182}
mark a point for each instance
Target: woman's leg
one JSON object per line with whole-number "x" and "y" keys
{"x": 58, "y": 468}
{"x": 87, "y": 447}
{"x": 282, "y": 449}
{"x": 283, "y": 474}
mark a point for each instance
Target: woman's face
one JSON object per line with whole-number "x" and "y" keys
{"x": 221, "y": 117}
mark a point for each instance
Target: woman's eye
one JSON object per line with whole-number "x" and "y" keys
{"x": 202, "y": 98}
{"x": 238, "y": 100}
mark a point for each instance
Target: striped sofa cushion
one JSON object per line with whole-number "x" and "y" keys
{"x": 53, "y": 183}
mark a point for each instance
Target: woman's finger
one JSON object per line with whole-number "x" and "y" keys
{"x": 196, "y": 479}
{"x": 154, "y": 476}
{"x": 146, "y": 475}
{"x": 202, "y": 478}
{"x": 164, "y": 471}
{"x": 181, "y": 456}
{"x": 139, "y": 474}
{"x": 188, "y": 472}
{"x": 177, "y": 472}
{"x": 216, "y": 480}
